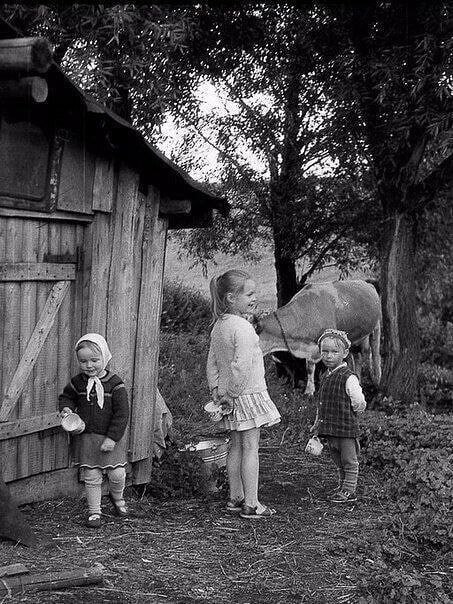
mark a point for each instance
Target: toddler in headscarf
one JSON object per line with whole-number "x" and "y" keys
{"x": 100, "y": 398}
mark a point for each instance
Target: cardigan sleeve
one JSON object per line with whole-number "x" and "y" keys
{"x": 68, "y": 398}
{"x": 120, "y": 413}
{"x": 241, "y": 363}
{"x": 212, "y": 370}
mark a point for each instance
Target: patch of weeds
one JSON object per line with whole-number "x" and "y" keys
{"x": 180, "y": 474}
{"x": 405, "y": 559}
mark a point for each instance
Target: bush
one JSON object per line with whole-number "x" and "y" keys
{"x": 413, "y": 453}
{"x": 436, "y": 386}
{"x": 184, "y": 309}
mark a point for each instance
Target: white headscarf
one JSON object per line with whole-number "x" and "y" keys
{"x": 105, "y": 355}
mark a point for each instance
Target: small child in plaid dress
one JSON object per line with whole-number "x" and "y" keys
{"x": 339, "y": 399}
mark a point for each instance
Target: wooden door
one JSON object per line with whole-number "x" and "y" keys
{"x": 39, "y": 318}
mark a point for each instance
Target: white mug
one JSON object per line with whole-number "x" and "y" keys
{"x": 73, "y": 423}
{"x": 314, "y": 446}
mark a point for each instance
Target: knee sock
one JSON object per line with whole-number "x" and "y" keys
{"x": 93, "y": 490}
{"x": 117, "y": 482}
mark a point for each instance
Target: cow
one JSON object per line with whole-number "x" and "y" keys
{"x": 352, "y": 306}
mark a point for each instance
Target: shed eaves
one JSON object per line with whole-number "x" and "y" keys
{"x": 128, "y": 142}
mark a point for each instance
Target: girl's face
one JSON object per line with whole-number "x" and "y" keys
{"x": 243, "y": 302}
{"x": 90, "y": 361}
{"x": 333, "y": 352}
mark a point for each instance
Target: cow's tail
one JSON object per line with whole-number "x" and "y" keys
{"x": 375, "y": 343}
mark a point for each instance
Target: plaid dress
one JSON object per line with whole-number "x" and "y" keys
{"x": 335, "y": 415}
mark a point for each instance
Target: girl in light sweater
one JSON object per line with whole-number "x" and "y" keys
{"x": 235, "y": 372}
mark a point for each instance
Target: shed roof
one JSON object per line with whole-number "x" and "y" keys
{"x": 69, "y": 102}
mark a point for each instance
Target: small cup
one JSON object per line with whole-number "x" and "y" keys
{"x": 214, "y": 411}
{"x": 73, "y": 423}
{"x": 314, "y": 446}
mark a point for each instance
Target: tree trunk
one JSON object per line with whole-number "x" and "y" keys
{"x": 401, "y": 336}
{"x": 286, "y": 274}
{"x": 284, "y": 264}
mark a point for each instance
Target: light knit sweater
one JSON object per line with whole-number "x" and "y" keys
{"x": 235, "y": 361}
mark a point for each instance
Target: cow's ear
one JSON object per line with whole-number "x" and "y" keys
{"x": 316, "y": 356}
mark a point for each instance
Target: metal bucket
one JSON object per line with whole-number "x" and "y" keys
{"x": 213, "y": 453}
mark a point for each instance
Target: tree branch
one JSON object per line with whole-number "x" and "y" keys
{"x": 440, "y": 178}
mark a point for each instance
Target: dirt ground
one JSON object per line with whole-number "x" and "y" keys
{"x": 190, "y": 551}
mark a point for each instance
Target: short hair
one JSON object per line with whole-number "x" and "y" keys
{"x": 231, "y": 281}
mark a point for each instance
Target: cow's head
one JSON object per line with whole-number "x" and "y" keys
{"x": 273, "y": 338}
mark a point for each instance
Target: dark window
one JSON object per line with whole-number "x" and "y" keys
{"x": 24, "y": 163}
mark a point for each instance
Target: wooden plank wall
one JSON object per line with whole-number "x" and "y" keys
{"x": 116, "y": 292}
{"x": 21, "y": 303}
{"x": 124, "y": 255}
{"x": 147, "y": 342}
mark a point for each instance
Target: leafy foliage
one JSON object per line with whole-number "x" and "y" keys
{"x": 184, "y": 309}
{"x": 124, "y": 55}
{"x": 272, "y": 134}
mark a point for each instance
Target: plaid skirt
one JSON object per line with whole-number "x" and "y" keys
{"x": 255, "y": 410}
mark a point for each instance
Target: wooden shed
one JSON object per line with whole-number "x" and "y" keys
{"x": 85, "y": 204}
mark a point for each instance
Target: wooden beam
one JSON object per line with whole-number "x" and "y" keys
{"x": 103, "y": 186}
{"x": 175, "y": 206}
{"x": 29, "y": 425}
{"x": 47, "y": 485}
{"x": 23, "y": 90}
{"x": 51, "y": 217}
{"x": 36, "y": 271}
{"x": 34, "y": 346}
{"x": 25, "y": 55}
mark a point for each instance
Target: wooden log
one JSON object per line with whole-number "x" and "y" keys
{"x": 13, "y": 569}
{"x": 50, "y": 581}
{"x": 25, "y": 55}
{"x": 23, "y": 90}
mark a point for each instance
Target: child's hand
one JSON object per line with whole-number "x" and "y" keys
{"x": 314, "y": 427}
{"x": 107, "y": 445}
{"x": 226, "y": 402}
{"x": 215, "y": 395}
{"x": 65, "y": 411}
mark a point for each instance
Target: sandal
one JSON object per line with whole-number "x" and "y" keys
{"x": 234, "y": 507}
{"x": 119, "y": 507}
{"x": 93, "y": 521}
{"x": 251, "y": 513}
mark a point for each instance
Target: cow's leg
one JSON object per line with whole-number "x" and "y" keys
{"x": 363, "y": 353}
{"x": 310, "y": 387}
{"x": 375, "y": 360}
